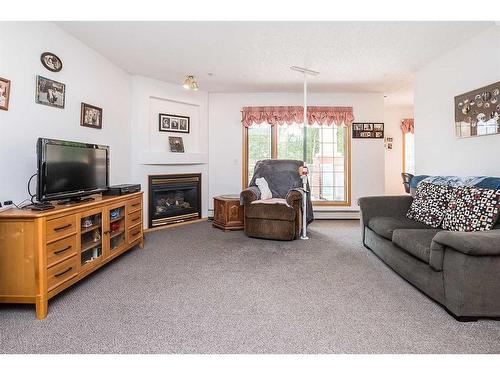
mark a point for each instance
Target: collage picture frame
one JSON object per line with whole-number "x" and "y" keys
{"x": 173, "y": 123}
{"x": 368, "y": 130}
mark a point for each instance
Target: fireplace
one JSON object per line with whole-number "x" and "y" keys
{"x": 174, "y": 198}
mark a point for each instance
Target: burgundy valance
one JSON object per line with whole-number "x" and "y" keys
{"x": 340, "y": 116}
{"x": 407, "y": 125}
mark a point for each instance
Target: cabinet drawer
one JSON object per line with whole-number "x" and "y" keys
{"x": 59, "y": 227}
{"x": 134, "y": 218}
{"x": 134, "y": 204}
{"x": 61, "y": 249}
{"x": 135, "y": 233}
{"x": 62, "y": 272}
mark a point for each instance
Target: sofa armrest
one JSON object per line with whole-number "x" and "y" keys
{"x": 436, "y": 256}
{"x": 471, "y": 243}
{"x": 250, "y": 194}
{"x": 391, "y": 206}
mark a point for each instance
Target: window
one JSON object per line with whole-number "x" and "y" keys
{"x": 325, "y": 150}
{"x": 409, "y": 153}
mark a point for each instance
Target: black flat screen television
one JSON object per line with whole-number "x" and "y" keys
{"x": 71, "y": 169}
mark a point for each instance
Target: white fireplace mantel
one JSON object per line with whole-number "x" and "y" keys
{"x": 173, "y": 158}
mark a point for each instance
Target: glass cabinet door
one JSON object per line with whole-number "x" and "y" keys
{"x": 91, "y": 234}
{"x": 116, "y": 217}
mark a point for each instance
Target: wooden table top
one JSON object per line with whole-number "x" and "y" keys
{"x": 65, "y": 208}
{"x": 228, "y": 197}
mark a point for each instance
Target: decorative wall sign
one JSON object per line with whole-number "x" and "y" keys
{"x": 49, "y": 92}
{"x": 368, "y": 130}
{"x": 4, "y": 93}
{"x": 173, "y": 123}
{"x": 477, "y": 112}
{"x": 51, "y": 62}
{"x": 176, "y": 144}
{"x": 91, "y": 116}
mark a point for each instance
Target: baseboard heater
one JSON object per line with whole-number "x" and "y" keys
{"x": 322, "y": 215}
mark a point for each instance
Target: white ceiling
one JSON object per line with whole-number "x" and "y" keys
{"x": 256, "y": 56}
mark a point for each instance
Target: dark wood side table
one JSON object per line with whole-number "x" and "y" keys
{"x": 228, "y": 213}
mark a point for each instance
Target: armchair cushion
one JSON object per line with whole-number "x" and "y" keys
{"x": 271, "y": 201}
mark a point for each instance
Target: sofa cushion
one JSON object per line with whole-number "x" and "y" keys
{"x": 429, "y": 204}
{"x": 417, "y": 242}
{"x": 472, "y": 209}
{"x": 385, "y": 225}
{"x": 274, "y": 211}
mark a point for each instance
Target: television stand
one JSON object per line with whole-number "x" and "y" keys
{"x": 75, "y": 200}
{"x": 41, "y": 206}
{"x": 43, "y": 253}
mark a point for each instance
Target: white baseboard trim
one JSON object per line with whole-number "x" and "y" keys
{"x": 334, "y": 214}
{"x": 343, "y": 215}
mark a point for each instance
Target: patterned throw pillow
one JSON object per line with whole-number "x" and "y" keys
{"x": 472, "y": 209}
{"x": 429, "y": 204}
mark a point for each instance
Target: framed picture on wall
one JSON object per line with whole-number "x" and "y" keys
{"x": 51, "y": 62}
{"x": 477, "y": 112}
{"x": 368, "y": 130}
{"x": 49, "y": 92}
{"x": 91, "y": 116}
{"x": 4, "y": 93}
{"x": 173, "y": 123}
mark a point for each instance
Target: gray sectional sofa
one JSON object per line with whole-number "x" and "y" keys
{"x": 459, "y": 270}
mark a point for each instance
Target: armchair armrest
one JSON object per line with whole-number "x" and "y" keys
{"x": 471, "y": 243}
{"x": 392, "y": 206}
{"x": 294, "y": 197}
{"x": 250, "y": 194}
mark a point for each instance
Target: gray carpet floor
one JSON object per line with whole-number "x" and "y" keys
{"x": 195, "y": 289}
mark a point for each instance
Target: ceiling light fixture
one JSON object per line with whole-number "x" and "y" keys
{"x": 304, "y": 70}
{"x": 190, "y": 83}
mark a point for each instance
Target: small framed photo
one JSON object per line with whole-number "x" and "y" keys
{"x": 368, "y": 127}
{"x": 389, "y": 139}
{"x": 49, "y": 92}
{"x": 91, "y": 116}
{"x": 357, "y": 127}
{"x": 366, "y": 134}
{"x": 378, "y": 127}
{"x": 51, "y": 62}
{"x": 173, "y": 123}
{"x": 176, "y": 144}
{"x": 379, "y": 134}
{"x": 4, "y": 93}
{"x": 389, "y": 146}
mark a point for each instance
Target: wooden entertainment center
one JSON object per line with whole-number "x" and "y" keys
{"x": 44, "y": 252}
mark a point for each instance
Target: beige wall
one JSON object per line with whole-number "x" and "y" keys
{"x": 394, "y": 157}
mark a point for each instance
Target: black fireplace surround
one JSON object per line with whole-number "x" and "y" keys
{"x": 174, "y": 198}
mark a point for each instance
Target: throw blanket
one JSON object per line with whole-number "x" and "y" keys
{"x": 454, "y": 181}
{"x": 282, "y": 176}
